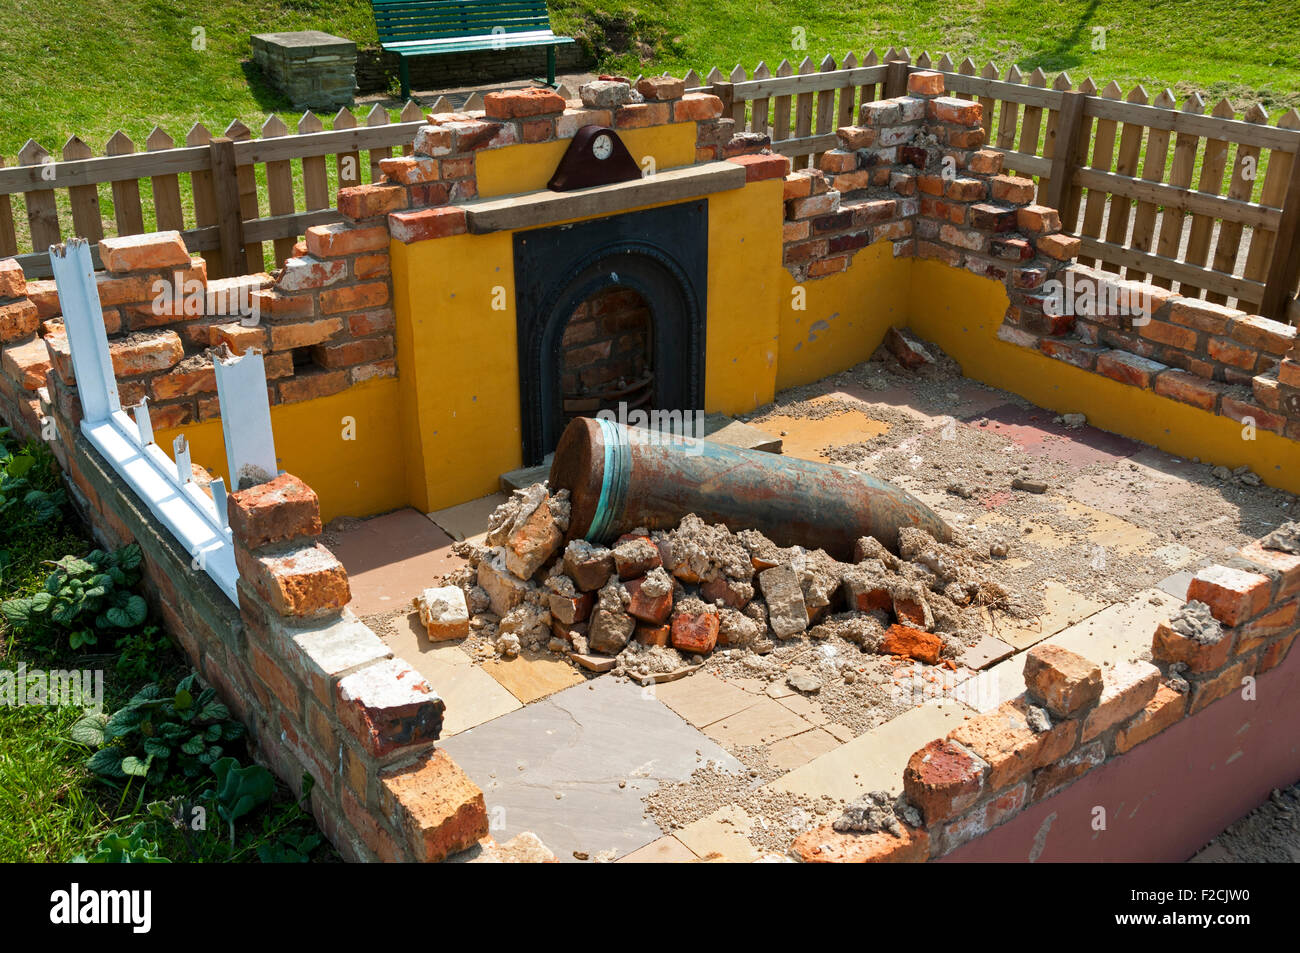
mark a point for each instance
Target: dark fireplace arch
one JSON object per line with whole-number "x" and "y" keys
{"x": 660, "y": 253}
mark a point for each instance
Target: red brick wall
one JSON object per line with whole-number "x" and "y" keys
{"x": 319, "y": 692}
{"x": 992, "y": 767}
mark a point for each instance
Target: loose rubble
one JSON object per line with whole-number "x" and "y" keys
{"x": 660, "y": 603}
{"x": 1194, "y": 621}
{"x": 877, "y": 811}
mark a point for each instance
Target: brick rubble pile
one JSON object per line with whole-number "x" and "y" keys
{"x": 657, "y": 602}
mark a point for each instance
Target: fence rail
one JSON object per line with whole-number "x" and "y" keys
{"x": 1154, "y": 190}
{"x": 228, "y": 195}
{"x": 1210, "y": 203}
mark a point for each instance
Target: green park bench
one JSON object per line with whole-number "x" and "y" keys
{"x": 413, "y": 28}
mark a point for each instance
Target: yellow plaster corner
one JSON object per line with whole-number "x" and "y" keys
{"x": 347, "y": 447}
{"x": 843, "y": 317}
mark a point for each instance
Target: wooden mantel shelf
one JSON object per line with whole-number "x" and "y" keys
{"x": 532, "y": 209}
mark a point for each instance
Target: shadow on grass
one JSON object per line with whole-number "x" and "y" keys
{"x": 1063, "y": 54}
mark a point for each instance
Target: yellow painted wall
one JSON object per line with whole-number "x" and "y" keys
{"x": 845, "y": 315}
{"x": 459, "y": 366}
{"x": 458, "y": 358}
{"x": 741, "y": 346}
{"x": 961, "y": 312}
{"x": 449, "y": 425}
{"x": 528, "y": 167}
{"x": 352, "y": 477}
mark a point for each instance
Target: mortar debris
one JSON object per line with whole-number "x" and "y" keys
{"x": 1268, "y": 834}
{"x": 1038, "y": 719}
{"x": 530, "y": 593}
{"x": 944, "y": 431}
{"x": 769, "y": 819}
{"x": 1194, "y": 621}
{"x": 1284, "y": 539}
{"x": 877, "y": 811}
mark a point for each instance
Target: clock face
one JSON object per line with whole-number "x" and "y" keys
{"x": 602, "y": 146}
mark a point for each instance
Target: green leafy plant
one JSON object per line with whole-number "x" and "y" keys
{"x": 142, "y": 654}
{"x": 241, "y": 791}
{"x": 22, "y": 504}
{"x": 128, "y": 848}
{"x": 291, "y": 847}
{"x": 83, "y": 598}
{"x": 154, "y": 734}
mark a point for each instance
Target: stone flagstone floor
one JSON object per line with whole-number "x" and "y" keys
{"x": 569, "y": 755}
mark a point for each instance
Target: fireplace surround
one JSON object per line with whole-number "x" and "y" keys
{"x": 662, "y": 254}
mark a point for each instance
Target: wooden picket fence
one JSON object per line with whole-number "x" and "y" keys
{"x": 1206, "y": 204}
{"x": 1209, "y": 205}
{"x": 228, "y": 195}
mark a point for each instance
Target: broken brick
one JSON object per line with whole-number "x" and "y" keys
{"x": 444, "y": 613}
{"x": 281, "y": 509}
{"x": 913, "y": 643}
{"x": 149, "y": 251}
{"x": 1065, "y": 682}
{"x": 300, "y": 581}
{"x": 650, "y": 609}
{"x": 389, "y": 705}
{"x": 695, "y": 632}
{"x": 635, "y": 556}
{"x": 825, "y": 845}
{"x": 1233, "y": 595}
{"x": 943, "y": 779}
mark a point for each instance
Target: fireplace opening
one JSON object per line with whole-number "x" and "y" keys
{"x": 610, "y": 315}
{"x": 606, "y": 357}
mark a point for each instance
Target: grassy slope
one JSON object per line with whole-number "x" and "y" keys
{"x": 89, "y": 67}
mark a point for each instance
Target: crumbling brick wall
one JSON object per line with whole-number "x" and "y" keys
{"x": 913, "y": 171}
{"x": 323, "y": 324}
{"x": 319, "y": 692}
{"x": 1239, "y": 622}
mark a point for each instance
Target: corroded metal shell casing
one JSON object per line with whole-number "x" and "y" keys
{"x": 620, "y": 479}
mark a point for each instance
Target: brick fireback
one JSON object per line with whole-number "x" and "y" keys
{"x": 605, "y": 351}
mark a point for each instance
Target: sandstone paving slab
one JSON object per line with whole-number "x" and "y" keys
{"x": 665, "y": 850}
{"x": 472, "y": 695}
{"x": 529, "y": 679}
{"x": 764, "y": 722}
{"x": 1061, "y": 607}
{"x": 468, "y": 520}
{"x": 789, "y": 753}
{"x": 390, "y": 559}
{"x": 873, "y": 761}
{"x": 806, "y": 708}
{"x": 1176, "y": 585}
{"x": 721, "y": 836}
{"x": 1121, "y": 632}
{"x": 580, "y": 744}
{"x": 986, "y": 652}
{"x": 703, "y": 698}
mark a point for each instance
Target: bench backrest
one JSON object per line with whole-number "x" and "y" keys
{"x": 398, "y": 20}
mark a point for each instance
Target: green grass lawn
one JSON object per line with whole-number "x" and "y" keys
{"x": 52, "y": 807}
{"x": 93, "y": 67}
{"x": 90, "y": 67}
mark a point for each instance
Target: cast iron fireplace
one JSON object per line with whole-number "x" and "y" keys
{"x": 662, "y": 254}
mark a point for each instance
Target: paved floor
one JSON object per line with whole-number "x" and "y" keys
{"x": 570, "y": 756}
{"x": 574, "y": 767}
